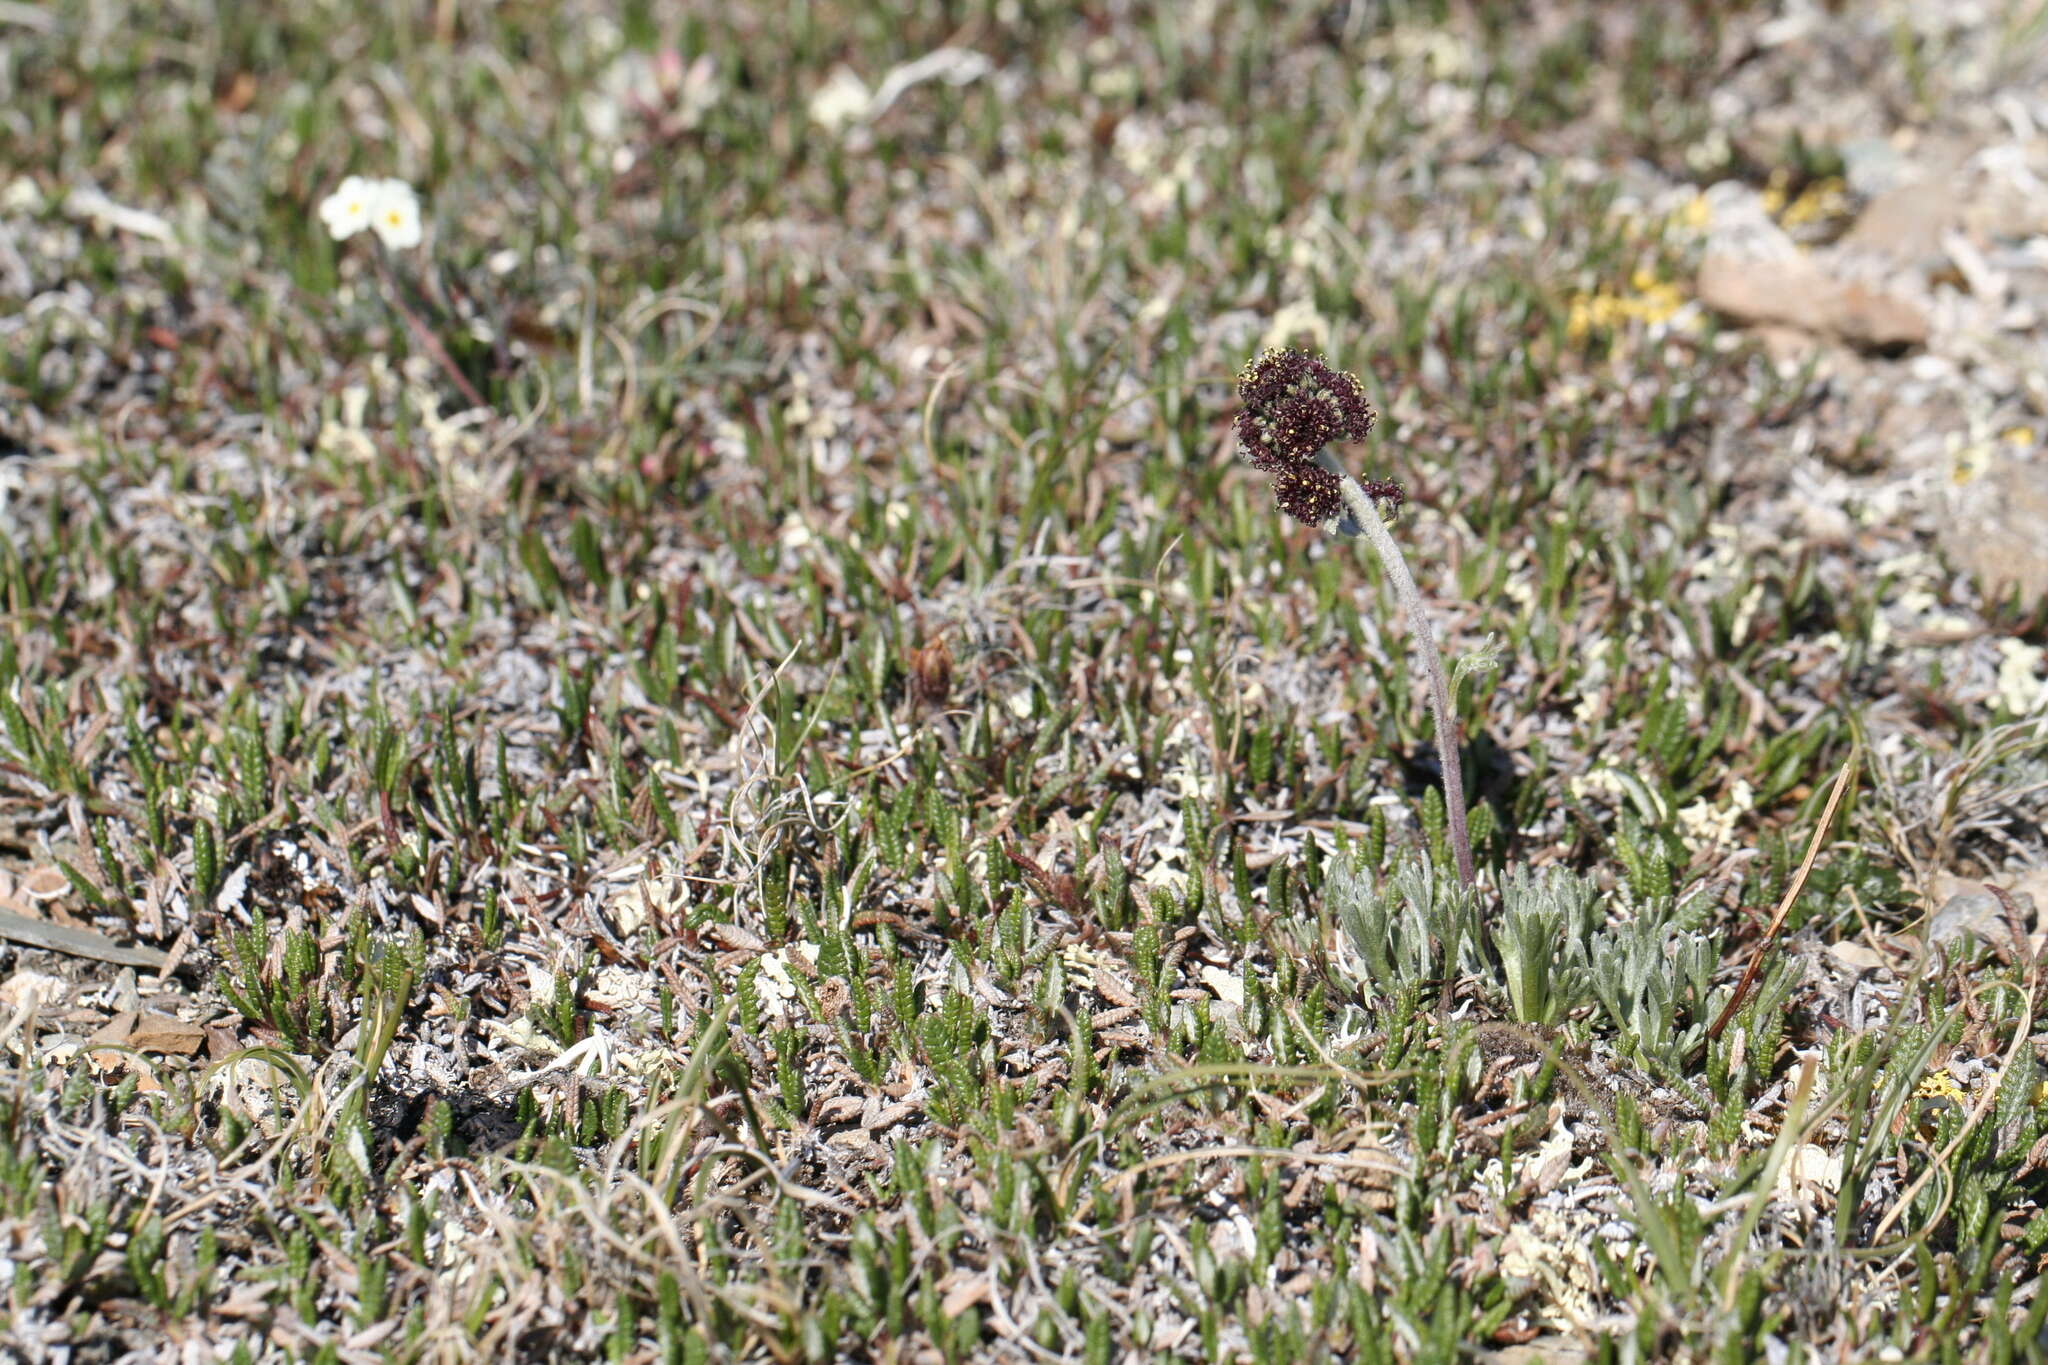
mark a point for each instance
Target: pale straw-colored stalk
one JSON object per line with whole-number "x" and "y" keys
{"x": 1366, "y": 520}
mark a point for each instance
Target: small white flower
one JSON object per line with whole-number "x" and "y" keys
{"x": 773, "y": 985}
{"x": 395, "y": 214}
{"x": 347, "y": 211}
{"x": 596, "y": 1055}
{"x": 843, "y": 99}
{"x": 2018, "y": 688}
{"x": 1229, "y": 989}
{"x": 389, "y": 208}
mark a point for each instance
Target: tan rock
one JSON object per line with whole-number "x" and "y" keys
{"x": 150, "y": 1032}
{"x": 1797, "y": 291}
{"x": 1856, "y": 957}
{"x": 1967, "y": 912}
{"x": 1997, "y": 527}
{"x": 1877, "y": 320}
{"x": 1906, "y": 224}
{"x": 33, "y": 990}
{"x": 1756, "y": 290}
{"x": 162, "y": 1033}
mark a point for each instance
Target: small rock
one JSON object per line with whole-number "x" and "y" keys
{"x": 1856, "y": 957}
{"x": 1906, "y": 224}
{"x": 39, "y": 990}
{"x": 1875, "y": 319}
{"x": 1229, "y": 989}
{"x": 1976, "y": 914}
{"x": 1997, "y": 527}
{"x": 150, "y": 1032}
{"x": 221, "y": 1042}
{"x": 1807, "y": 1167}
{"x": 2028, "y": 890}
{"x": 1797, "y": 291}
{"x": 1754, "y": 289}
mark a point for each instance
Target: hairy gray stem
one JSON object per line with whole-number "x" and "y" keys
{"x": 1366, "y": 517}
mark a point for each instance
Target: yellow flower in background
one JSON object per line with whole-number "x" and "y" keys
{"x": 1818, "y": 202}
{"x": 1936, "y": 1091}
{"x": 1649, "y": 300}
{"x": 1655, "y": 300}
{"x": 1694, "y": 215}
{"x": 1825, "y": 198}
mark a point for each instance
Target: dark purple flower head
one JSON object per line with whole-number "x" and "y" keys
{"x": 1380, "y": 490}
{"x": 1313, "y": 494}
{"x": 1309, "y": 493}
{"x": 1294, "y": 404}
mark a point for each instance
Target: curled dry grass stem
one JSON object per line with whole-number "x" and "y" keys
{"x": 1790, "y": 898}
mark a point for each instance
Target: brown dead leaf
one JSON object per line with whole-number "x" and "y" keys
{"x": 44, "y": 884}
{"x": 887, "y": 1116}
{"x": 838, "y": 1109}
{"x": 834, "y": 996}
{"x": 1112, "y": 988}
{"x": 116, "y": 1030}
{"x": 734, "y": 936}
{"x": 1552, "y": 1172}
{"x": 964, "y": 1294}
{"x": 40, "y": 895}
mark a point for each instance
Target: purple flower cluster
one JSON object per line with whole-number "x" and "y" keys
{"x": 1294, "y": 404}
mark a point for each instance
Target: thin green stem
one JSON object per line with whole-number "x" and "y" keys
{"x": 422, "y": 333}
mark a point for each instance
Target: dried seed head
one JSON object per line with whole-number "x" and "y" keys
{"x": 1381, "y": 490}
{"x": 931, "y": 674}
{"x": 1309, "y": 493}
{"x": 1294, "y": 404}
